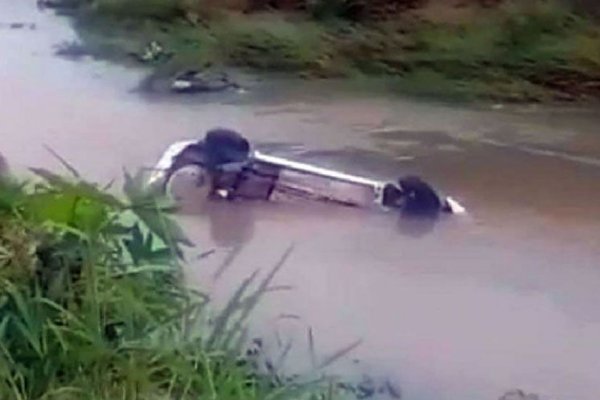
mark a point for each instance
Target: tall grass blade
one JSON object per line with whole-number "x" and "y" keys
{"x": 227, "y": 262}
{"x": 311, "y": 349}
{"x": 252, "y": 301}
{"x": 232, "y": 306}
{"x": 64, "y": 162}
{"x": 339, "y": 354}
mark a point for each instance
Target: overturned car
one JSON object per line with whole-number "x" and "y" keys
{"x": 223, "y": 165}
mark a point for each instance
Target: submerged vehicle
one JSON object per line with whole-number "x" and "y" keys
{"x": 192, "y": 81}
{"x": 223, "y": 165}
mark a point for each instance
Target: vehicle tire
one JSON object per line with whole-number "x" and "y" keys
{"x": 420, "y": 197}
{"x": 224, "y": 146}
{"x": 189, "y": 186}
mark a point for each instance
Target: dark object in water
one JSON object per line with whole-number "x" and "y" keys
{"x": 420, "y": 198}
{"x": 223, "y": 165}
{"x": 223, "y": 146}
{"x": 518, "y": 394}
{"x": 22, "y": 25}
{"x": 192, "y": 81}
{"x": 370, "y": 387}
{"x": 73, "y": 50}
{"x": 219, "y": 147}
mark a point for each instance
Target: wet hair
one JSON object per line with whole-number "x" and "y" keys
{"x": 419, "y": 197}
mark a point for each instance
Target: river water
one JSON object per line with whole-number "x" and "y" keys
{"x": 466, "y": 308}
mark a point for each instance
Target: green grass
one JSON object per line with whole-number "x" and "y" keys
{"x": 269, "y": 43}
{"x": 264, "y": 43}
{"x": 93, "y": 306}
{"x": 523, "y": 46}
{"x": 165, "y": 10}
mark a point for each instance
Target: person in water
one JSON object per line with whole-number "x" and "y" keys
{"x": 234, "y": 172}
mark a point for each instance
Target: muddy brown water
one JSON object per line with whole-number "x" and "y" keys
{"x": 463, "y": 308}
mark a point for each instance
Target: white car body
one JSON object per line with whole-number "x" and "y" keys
{"x": 301, "y": 178}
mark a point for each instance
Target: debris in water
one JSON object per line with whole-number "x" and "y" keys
{"x": 518, "y": 394}
{"x": 370, "y": 388}
{"x": 20, "y": 25}
{"x": 72, "y": 50}
{"x": 366, "y": 389}
{"x": 192, "y": 81}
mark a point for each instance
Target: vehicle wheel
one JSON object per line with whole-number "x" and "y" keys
{"x": 224, "y": 146}
{"x": 189, "y": 186}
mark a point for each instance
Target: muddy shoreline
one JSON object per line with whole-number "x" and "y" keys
{"x": 409, "y": 57}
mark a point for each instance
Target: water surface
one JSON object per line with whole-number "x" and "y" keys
{"x": 458, "y": 308}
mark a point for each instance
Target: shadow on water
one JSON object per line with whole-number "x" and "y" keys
{"x": 416, "y": 226}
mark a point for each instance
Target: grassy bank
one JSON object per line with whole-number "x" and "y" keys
{"x": 92, "y": 305}
{"x": 519, "y": 50}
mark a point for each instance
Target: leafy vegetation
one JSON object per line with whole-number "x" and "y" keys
{"x": 517, "y": 50}
{"x": 92, "y": 303}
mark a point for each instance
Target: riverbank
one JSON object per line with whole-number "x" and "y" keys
{"x": 519, "y": 51}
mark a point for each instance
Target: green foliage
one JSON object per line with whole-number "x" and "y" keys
{"x": 164, "y": 10}
{"x": 328, "y": 9}
{"x": 521, "y": 47}
{"x": 269, "y": 43}
{"x": 92, "y": 305}
{"x": 536, "y": 32}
